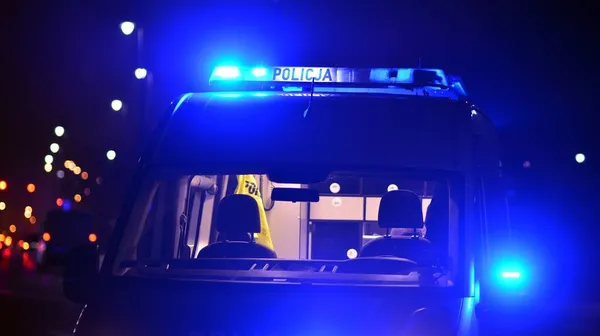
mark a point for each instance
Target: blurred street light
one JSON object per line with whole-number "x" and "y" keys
{"x": 2, "y": 206}
{"x": 3, "y": 185}
{"x": 127, "y": 27}
{"x": 8, "y": 241}
{"x": 54, "y": 147}
{"x": 60, "y": 174}
{"x": 111, "y": 155}
{"x": 580, "y": 158}
{"x": 77, "y": 198}
{"x": 28, "y": 209}
{"x": 32, "y": 220}
{"x": 92, "y": 237}
{"x": 140, "y": 73}
{"x": 25, "y": 246}
{"x": 46, "y": 236}
{"x": 48, "y": 167}
{"x": 12, "y": 228}
{"x": 59, "y": 202}
{"x": 48, "y": 159}
{"x": 116, "y": 105}
{"x": 84, "y": 176}
{"x": 30, "y": 188}
{"x": 76, "y": 170}
{"x": 59, "y": 131}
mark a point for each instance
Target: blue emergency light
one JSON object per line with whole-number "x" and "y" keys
{"x": 333, "y": 79}
{"x": 510, "y": 274}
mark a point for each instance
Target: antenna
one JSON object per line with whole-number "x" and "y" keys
{"x": 312, "y": 92}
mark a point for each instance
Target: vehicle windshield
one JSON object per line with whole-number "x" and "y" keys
{"x": 195, "y": 226}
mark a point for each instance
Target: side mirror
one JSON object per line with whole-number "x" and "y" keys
{"x": 81, "y": 273}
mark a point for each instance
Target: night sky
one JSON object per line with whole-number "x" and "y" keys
{"x": 532, "y": 68}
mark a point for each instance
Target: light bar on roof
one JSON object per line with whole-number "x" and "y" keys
{"x": 330, "y": 76}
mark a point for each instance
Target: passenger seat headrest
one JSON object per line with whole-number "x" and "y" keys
{"x": 400, "y": 209}
{"x": 238, "y": 214}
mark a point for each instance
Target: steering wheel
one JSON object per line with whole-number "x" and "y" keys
{"x": 377, "y": 265}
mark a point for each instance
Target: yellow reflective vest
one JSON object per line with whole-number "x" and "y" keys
{"x": 247, "y": 185}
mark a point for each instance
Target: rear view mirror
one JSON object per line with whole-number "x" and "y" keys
{"x": 294, "y": 195}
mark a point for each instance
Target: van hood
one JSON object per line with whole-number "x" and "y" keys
{"x": 140, "y": 306}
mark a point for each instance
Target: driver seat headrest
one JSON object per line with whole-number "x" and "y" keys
{"x": 400, "y": 209}
{"x": 238, "y": 217}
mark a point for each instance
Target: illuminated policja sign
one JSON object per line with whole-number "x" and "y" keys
{"x": 295, "y": 74}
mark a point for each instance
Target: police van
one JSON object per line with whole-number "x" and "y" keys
{"x": 310, "y": 201}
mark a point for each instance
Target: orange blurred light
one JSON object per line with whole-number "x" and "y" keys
{"x": 12, "y": 228}
{"x": 84, "y": 175}
{"x": 46, "y": 236}
{"x": 30, "y": 187}
{"x": 92, "y": 237}
{"x": 32, "y": 220}
{"x": 59, "y": 201}
{"x": 3, "y": 185}
{"x": 77, "y": 198}
{"x": 2, "y": 237}
{"x": 25, "y": 246}
{"x": 8, "y": 241}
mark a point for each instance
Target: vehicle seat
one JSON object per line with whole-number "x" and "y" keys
{"x": 238, "y": 219}
{"x": 399, "y": 209}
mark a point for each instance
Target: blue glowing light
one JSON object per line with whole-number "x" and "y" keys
{"x": 66, "y": 205}
{"x": 259, "y": 72}
{"x": 511, "y": 275}
{"x": 227, "y": 72}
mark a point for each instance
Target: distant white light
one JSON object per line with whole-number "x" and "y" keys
{"x": 334, "y": 188}
{"x": 48, "y": 159}
{"x": 352, "y": 253}
{"x": 59, "y": 131}
{"x": 54, "y": 148}
{"x": 48, "y": 167}
{"x": 392, "y": 187}
{"x": 473, "y": 113}
{"x": 111, "y": 155}
{"x": 127, "y": 27}
{"x": 116, "y": 105}
{"x": 580, "y": 158}
{"x": 140, "y": 73}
